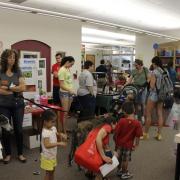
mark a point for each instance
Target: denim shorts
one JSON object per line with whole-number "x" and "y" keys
{"x": 141, "y": 97}
{"x": 65, "y": 95}
{"x": 153, "y": 96}
{"x": 108, "y": 153}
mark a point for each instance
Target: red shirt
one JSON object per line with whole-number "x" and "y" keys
{"x": 125, "y": 132}
{"x": 55, "y": 68}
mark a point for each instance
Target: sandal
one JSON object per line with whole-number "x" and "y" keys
{"x": 7, "y": 159}
{"x": 22, "y": 159}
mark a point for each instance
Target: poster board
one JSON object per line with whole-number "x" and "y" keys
{"x": 34, "y": 72}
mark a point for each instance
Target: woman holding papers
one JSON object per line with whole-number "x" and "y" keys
{"x": 102, "y": 142}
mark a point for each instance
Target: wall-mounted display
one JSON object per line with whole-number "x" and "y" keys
{"x": 34, "y": 72}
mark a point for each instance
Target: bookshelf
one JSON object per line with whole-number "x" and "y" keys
{"x": 170, "y": 52}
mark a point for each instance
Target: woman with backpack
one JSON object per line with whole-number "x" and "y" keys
{"x": 155, "y": 96}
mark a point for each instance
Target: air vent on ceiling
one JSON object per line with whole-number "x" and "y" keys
{"x": 17, "y": 1}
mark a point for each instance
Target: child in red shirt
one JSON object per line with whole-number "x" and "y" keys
{"x": 126, "y": 137}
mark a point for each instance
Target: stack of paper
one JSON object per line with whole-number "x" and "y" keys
{"x": 107, "y": 168}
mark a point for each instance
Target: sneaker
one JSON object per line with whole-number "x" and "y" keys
{"x": 119, "y": 172}
{"x": 126, "y": 175}
{"x": 158, "y": 137}
{"x": 145, "y": 136}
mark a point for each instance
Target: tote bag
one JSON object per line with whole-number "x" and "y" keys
{"x": 87, "y": 154}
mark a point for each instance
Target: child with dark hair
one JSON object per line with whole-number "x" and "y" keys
{"x": 126, "y": 137}
{"x": 49, "y": 143}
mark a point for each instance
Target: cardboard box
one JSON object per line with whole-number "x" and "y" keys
{"x": 31, "y": 139}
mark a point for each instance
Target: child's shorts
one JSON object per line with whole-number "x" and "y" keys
{"x": 124, "y": 154}
{"x": 108, "y": 153}
{"x": 48, "y": 164}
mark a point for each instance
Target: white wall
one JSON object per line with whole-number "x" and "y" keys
{"x": 59, "y": 34}
{"x": 144, "y": 48}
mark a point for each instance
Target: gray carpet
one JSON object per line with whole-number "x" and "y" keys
{"x": 152, "y": 160}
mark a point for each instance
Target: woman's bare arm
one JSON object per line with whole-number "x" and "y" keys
{"x": 101, "y": 135}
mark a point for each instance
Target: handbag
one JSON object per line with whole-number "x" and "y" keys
{"x": 11, "y": 102}
{"x": 87, "y": 154}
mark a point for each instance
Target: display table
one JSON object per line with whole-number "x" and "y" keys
{"x": 177, "y": 171}
{"x": 105, "y": 101}
{"x": 32, "y": 135}
{"x": 37, "y": 111}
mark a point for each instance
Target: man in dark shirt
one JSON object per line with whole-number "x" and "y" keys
{"x": 102, "y": 71}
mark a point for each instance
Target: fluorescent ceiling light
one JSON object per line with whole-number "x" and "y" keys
{"x": 107, "y": 34}
{"x": 57, "y": 16}
{"x": 86, "y": 39}
{"x": 15, "y": 9}
{"x": 156, "y": 35}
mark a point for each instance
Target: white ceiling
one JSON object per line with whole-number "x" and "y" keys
{"x": 159, "y": 16}
{"x": 152, "y": 15}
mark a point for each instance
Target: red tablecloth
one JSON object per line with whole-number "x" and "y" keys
{"x": 37, "y": 110}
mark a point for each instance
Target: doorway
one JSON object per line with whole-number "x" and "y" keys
{"x": 91, "y": 57}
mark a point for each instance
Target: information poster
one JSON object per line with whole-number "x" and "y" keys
{"x": 34, "y": 72}
{"x": 29, "y": 70}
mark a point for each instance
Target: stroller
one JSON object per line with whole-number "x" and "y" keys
{"x": 128, "y": 93}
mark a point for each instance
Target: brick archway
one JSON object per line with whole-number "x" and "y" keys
{"x": 45, "y": 52}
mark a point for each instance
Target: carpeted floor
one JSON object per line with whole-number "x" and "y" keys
{"x": 152, "y": 160}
